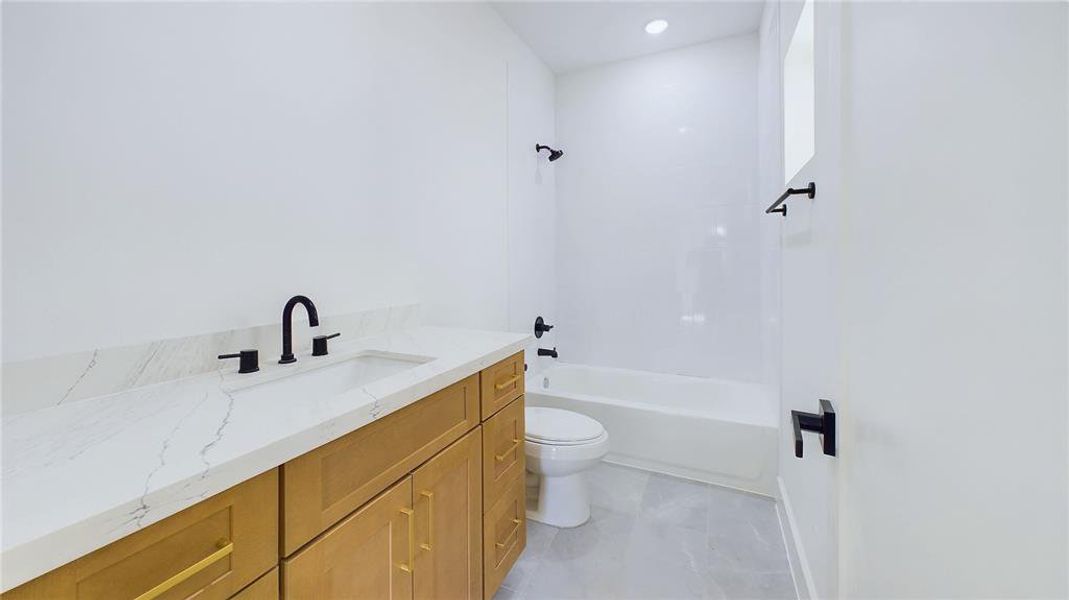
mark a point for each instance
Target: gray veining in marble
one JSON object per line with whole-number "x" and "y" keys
{"x": 82, "y": 474}
{"x": 60, "y": 380}
{"x": 652, "y": 536}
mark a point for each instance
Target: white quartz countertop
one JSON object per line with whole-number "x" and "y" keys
{"x": 79, "y": 476}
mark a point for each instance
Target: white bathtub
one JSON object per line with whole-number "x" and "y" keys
{"x": 718, "y": 431}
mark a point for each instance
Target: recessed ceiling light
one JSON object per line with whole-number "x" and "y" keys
{"x": 656, "y": 26}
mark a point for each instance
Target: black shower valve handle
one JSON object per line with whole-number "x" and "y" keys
{"x": 541, "y": 327}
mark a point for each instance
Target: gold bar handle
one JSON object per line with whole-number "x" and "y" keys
{"x": 504, "y": 455}
{"x": 225, "y": 549}
{"x": 429, "y": 545}
{"x": 515, "y": 531}
{"x": 409, "y": 515}
{"x": 507, "y": 382}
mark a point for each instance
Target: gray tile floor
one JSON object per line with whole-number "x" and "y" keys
{"x": 654, "y": 536}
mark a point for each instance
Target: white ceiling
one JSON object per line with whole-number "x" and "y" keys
{"x": 573, "y": 35}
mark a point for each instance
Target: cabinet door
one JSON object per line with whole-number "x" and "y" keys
{"x": 367, "y": 555}
{"x": 448, "y": 502}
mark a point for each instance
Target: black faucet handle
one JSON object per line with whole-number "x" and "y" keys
{"x": 541, "y": 327}
{"x": 249, "y": 363}
{"x": 319, "y": 344}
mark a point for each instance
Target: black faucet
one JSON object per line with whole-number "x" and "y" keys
{"x": 545, "y": 352}
{"x": 287, "y": 326}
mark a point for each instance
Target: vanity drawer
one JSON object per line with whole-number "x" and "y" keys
{"x": 323, "y": 486}
{"x": 264, "y": 588}
{"x": 504, "y": 536}
{"x": 209, "y": 550}
{"x": 503, "y": 452}
{"x": 502, "y": 383}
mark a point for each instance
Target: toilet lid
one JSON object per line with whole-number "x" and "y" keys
{"x": 560, "y": 427}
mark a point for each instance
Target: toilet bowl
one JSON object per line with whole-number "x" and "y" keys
{"x": 560, "y": 445}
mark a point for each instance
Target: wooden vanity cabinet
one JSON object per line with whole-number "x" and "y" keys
{"x": 425, "y": 503}
{"x": 210, "y": 550}
{"x": 421, "y": 539}
{"x": 321, "y": 487}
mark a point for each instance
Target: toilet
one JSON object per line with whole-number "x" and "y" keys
{"x": 560, "y": 445}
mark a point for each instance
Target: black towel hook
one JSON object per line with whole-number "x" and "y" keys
{"x": 779, "y": 207}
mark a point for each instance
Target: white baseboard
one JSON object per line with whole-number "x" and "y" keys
{"x": 757, "y": 488}
{"x": 800, "y": 572}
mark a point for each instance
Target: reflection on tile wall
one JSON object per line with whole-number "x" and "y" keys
{"x": 659, "y": 246}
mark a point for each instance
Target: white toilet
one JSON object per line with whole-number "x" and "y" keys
{"x": 560, "y": 445}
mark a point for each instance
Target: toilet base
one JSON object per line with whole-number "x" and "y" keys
{"x": 562, "y": 501}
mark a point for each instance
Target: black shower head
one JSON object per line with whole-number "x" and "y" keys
{"x": 553, "y": 154}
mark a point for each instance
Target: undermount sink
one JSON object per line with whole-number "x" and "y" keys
{"x": 336, "y": 378}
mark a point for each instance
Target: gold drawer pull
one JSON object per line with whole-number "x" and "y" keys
{"x": 408, "y": 513}
{"x": 225, "y": 548}
{"x": 515, "y": 532}
{"x": 429, "y": 545}
{"x": 507, "y": 382}
{"x": 504, "y": 455}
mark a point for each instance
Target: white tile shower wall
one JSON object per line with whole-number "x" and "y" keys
{"x": 770, "y": 186}
{"x": 532, "y": 207}
{"x": 51, "y": 381}
{"x": 177, "y": 169}
{"x": 659, "y": 251}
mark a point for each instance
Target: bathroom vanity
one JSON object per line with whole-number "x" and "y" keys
{"x": 416, "y": 491}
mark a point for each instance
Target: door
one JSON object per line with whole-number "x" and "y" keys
{"x": 809, "y": 281}
{"x": 367, "y": 555}
{"x": 924, "y": 293}
{"x": 953, "y": 475}
{"x": 448, "y": 504}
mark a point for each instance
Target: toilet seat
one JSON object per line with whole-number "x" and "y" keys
{"x": 557, "y": 427}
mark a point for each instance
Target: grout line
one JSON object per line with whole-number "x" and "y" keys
{"x": 508, "y": 201}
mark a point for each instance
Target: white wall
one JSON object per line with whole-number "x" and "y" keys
{"x": 955, "y": 153}
{"x": 659, "y": 251}
{"x": 171, "y": 169}
{"x": 769, "y": 186}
